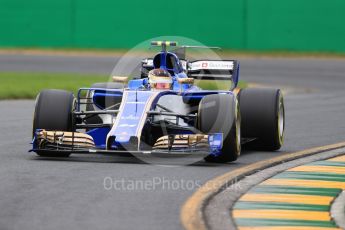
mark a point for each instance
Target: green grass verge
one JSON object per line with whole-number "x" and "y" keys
{"x": 220, "y": 85}
{"x": 15, "y": 85}
{"x": 28, "y": 85}
{"x": 223, "y": 53}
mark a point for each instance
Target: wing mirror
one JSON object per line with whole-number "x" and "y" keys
{"x": 119, "y": 79}
{"x": 186, "y": 80}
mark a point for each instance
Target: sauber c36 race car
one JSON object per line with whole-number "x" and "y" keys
{"x": 161, "y": 112}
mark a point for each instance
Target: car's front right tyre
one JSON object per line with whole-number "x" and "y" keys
{"x": 53, "y": 111}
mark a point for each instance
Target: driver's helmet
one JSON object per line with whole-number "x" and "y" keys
{"x": 160, "y": 79}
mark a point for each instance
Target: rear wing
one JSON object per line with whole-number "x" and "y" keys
{"x": 203, "y": 69}
{"x": 214, "y": 70}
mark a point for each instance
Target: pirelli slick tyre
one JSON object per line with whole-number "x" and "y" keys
{"x": 220, "y": 114}
{"x": 53, "y": 111}
{"x": 263, "y": 118}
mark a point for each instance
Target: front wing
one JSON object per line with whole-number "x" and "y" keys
{"x": 76, "y": 142}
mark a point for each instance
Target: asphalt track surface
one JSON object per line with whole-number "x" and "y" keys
{"x": 41, "y": 193}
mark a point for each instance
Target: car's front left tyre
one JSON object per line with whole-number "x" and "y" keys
{"x": 220, "y": 113}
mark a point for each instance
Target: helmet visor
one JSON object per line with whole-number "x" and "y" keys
{"x": 163, "y": 85}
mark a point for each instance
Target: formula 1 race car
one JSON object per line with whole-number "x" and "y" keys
{"x": 161, "y": 112}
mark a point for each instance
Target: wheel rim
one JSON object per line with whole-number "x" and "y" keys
{"x": 33, "y": 118}
{"x": 238, "y": 130}
{"x": 281, "y": 120}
